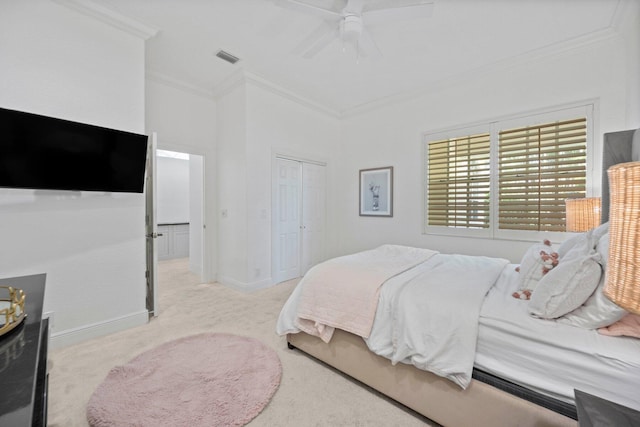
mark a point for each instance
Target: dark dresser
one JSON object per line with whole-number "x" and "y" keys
{"x": 23, "y": 360}
{"x": 594, "y": 411}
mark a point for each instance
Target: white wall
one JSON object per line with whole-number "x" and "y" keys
{"x": 255, "y": 124}
{"x": 91, "y": 245}
{"x": 185, "y": 121}
{"x": 630, "y": 34}
{"x": 173, "y": 190}
{"x": 232, "y": 188}
{"x": 279, "y": 125}
{"x": 392, "y": 136}
{"x": 196, "y": 193}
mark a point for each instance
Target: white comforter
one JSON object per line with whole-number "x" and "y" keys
{"x": 426, "y": 316}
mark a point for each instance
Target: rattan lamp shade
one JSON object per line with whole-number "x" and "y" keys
{"x": 582, "y": 214}
{"x": 623, "y": 267}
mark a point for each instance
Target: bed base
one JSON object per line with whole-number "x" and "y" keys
{"x": 428, "y": 394}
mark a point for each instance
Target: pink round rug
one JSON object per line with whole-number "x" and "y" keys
{"x": 201, "y": 380}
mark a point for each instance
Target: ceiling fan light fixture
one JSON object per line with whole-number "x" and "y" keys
{"x": 351, "y": 28}
{"x": 226, "y": 56}
{"x": 347, "y": 24}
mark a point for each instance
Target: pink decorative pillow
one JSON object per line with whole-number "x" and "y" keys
{"x": 628, "y": 326}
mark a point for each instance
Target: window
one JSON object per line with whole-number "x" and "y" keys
{"x": 459, "y": 179}
{"x": 508, "y": 178}
{"x": 540, "y": 167}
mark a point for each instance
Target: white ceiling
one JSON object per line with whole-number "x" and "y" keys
{"x": 460, "y": 37}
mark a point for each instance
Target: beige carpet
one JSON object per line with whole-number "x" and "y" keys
{"x": 310, "y": 394}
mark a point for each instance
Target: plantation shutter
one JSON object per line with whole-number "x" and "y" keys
{"x": 458, "y": 182}
{"x": 539, "y": 167}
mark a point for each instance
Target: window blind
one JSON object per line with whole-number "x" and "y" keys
{"x": 539, "y": 167}
{"x": 459, "y": 172}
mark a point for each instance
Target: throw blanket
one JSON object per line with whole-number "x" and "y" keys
{"x": 428, "y": 317}
{"x": 343, "y": 292}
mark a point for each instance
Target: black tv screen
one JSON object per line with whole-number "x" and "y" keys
{"x": 39, "y": 152}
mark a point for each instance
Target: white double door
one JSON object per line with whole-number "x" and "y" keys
{"x": 299, "y": 217}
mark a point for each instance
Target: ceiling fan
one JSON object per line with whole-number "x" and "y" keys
{"x": 350, "y": 22}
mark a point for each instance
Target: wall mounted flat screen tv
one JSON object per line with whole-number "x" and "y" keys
{"x": 39, "y": 152}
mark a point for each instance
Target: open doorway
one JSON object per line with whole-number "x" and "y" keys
{"x": 180, "y": 208}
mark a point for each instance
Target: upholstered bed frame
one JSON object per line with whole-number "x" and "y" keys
{"x": 428, "y": 394}
{"x": 487, "y": 401}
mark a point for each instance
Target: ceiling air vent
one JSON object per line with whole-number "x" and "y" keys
{"x": 227, "y": 57}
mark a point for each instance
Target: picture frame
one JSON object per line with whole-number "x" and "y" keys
{"x": 376, "y": 192}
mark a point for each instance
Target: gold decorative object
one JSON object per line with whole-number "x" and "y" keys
{"x": 623, "y": 266}
{"x": 583, "y": 214}
{"x": 11, "y": 308}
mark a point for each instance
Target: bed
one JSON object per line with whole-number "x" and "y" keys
{"x": 495, "y": 360}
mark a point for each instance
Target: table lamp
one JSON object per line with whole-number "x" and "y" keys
{"x": 582, "y": 214}
{"x": 623, "y": 266}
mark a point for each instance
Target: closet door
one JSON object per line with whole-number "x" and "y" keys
{"x": 299, "y": 228}
{"x": 313, "y": 215}
{"x": 288, "y": 226}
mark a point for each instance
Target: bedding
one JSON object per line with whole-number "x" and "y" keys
{"x": 428, "y": 335}
{"x": 343, "y": 292}
{"x": 628, "y": 326}
{"x": 439, "y": 333}
{"x": 453, "y": 312}
{"x": 551, "y": 357}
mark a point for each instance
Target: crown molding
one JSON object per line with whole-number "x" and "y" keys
{"x": 163, "y": 79}
{"x": 110, "y": 17}
{"x": 290, "y": 95}
{"x": 621, "y": 12}
{"x": 557, "y": 49}
{"x": 228, "y": 85}
{"x": 242, "y": 76}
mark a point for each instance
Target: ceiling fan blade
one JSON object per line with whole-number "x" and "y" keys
{"x": 367, "y": 47}
{"x": 404, "y": 13}
{"x": 353, "y": 7}
{"x": 316, "y": 41}
{"x": 309, "y": 9}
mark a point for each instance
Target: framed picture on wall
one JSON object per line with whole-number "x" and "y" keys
{"x": 376, "y": 192}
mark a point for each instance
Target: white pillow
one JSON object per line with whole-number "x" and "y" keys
{"x": 603, "y": 249}
{"x": 599, "y": 231}
{"x": 570, "y": 243}
{"x": 582, "y": 248}
{"x": 566, "y": 287}
{"x": 597, "y": 312}
{"x": 532, "y": 267}
{"x": 587, "y": 240}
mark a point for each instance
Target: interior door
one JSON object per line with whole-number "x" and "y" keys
{"x": 151, "y": 229}
{"x": 288, "y": 222}
{"x": 313, "y": 215}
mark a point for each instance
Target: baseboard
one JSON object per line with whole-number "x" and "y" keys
{"x": 95, "y": 330}
{"x": 244, "y": 286}
{"x": 260, "y": 284}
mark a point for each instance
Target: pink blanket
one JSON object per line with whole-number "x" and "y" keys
{"x": 343, "y": 292}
